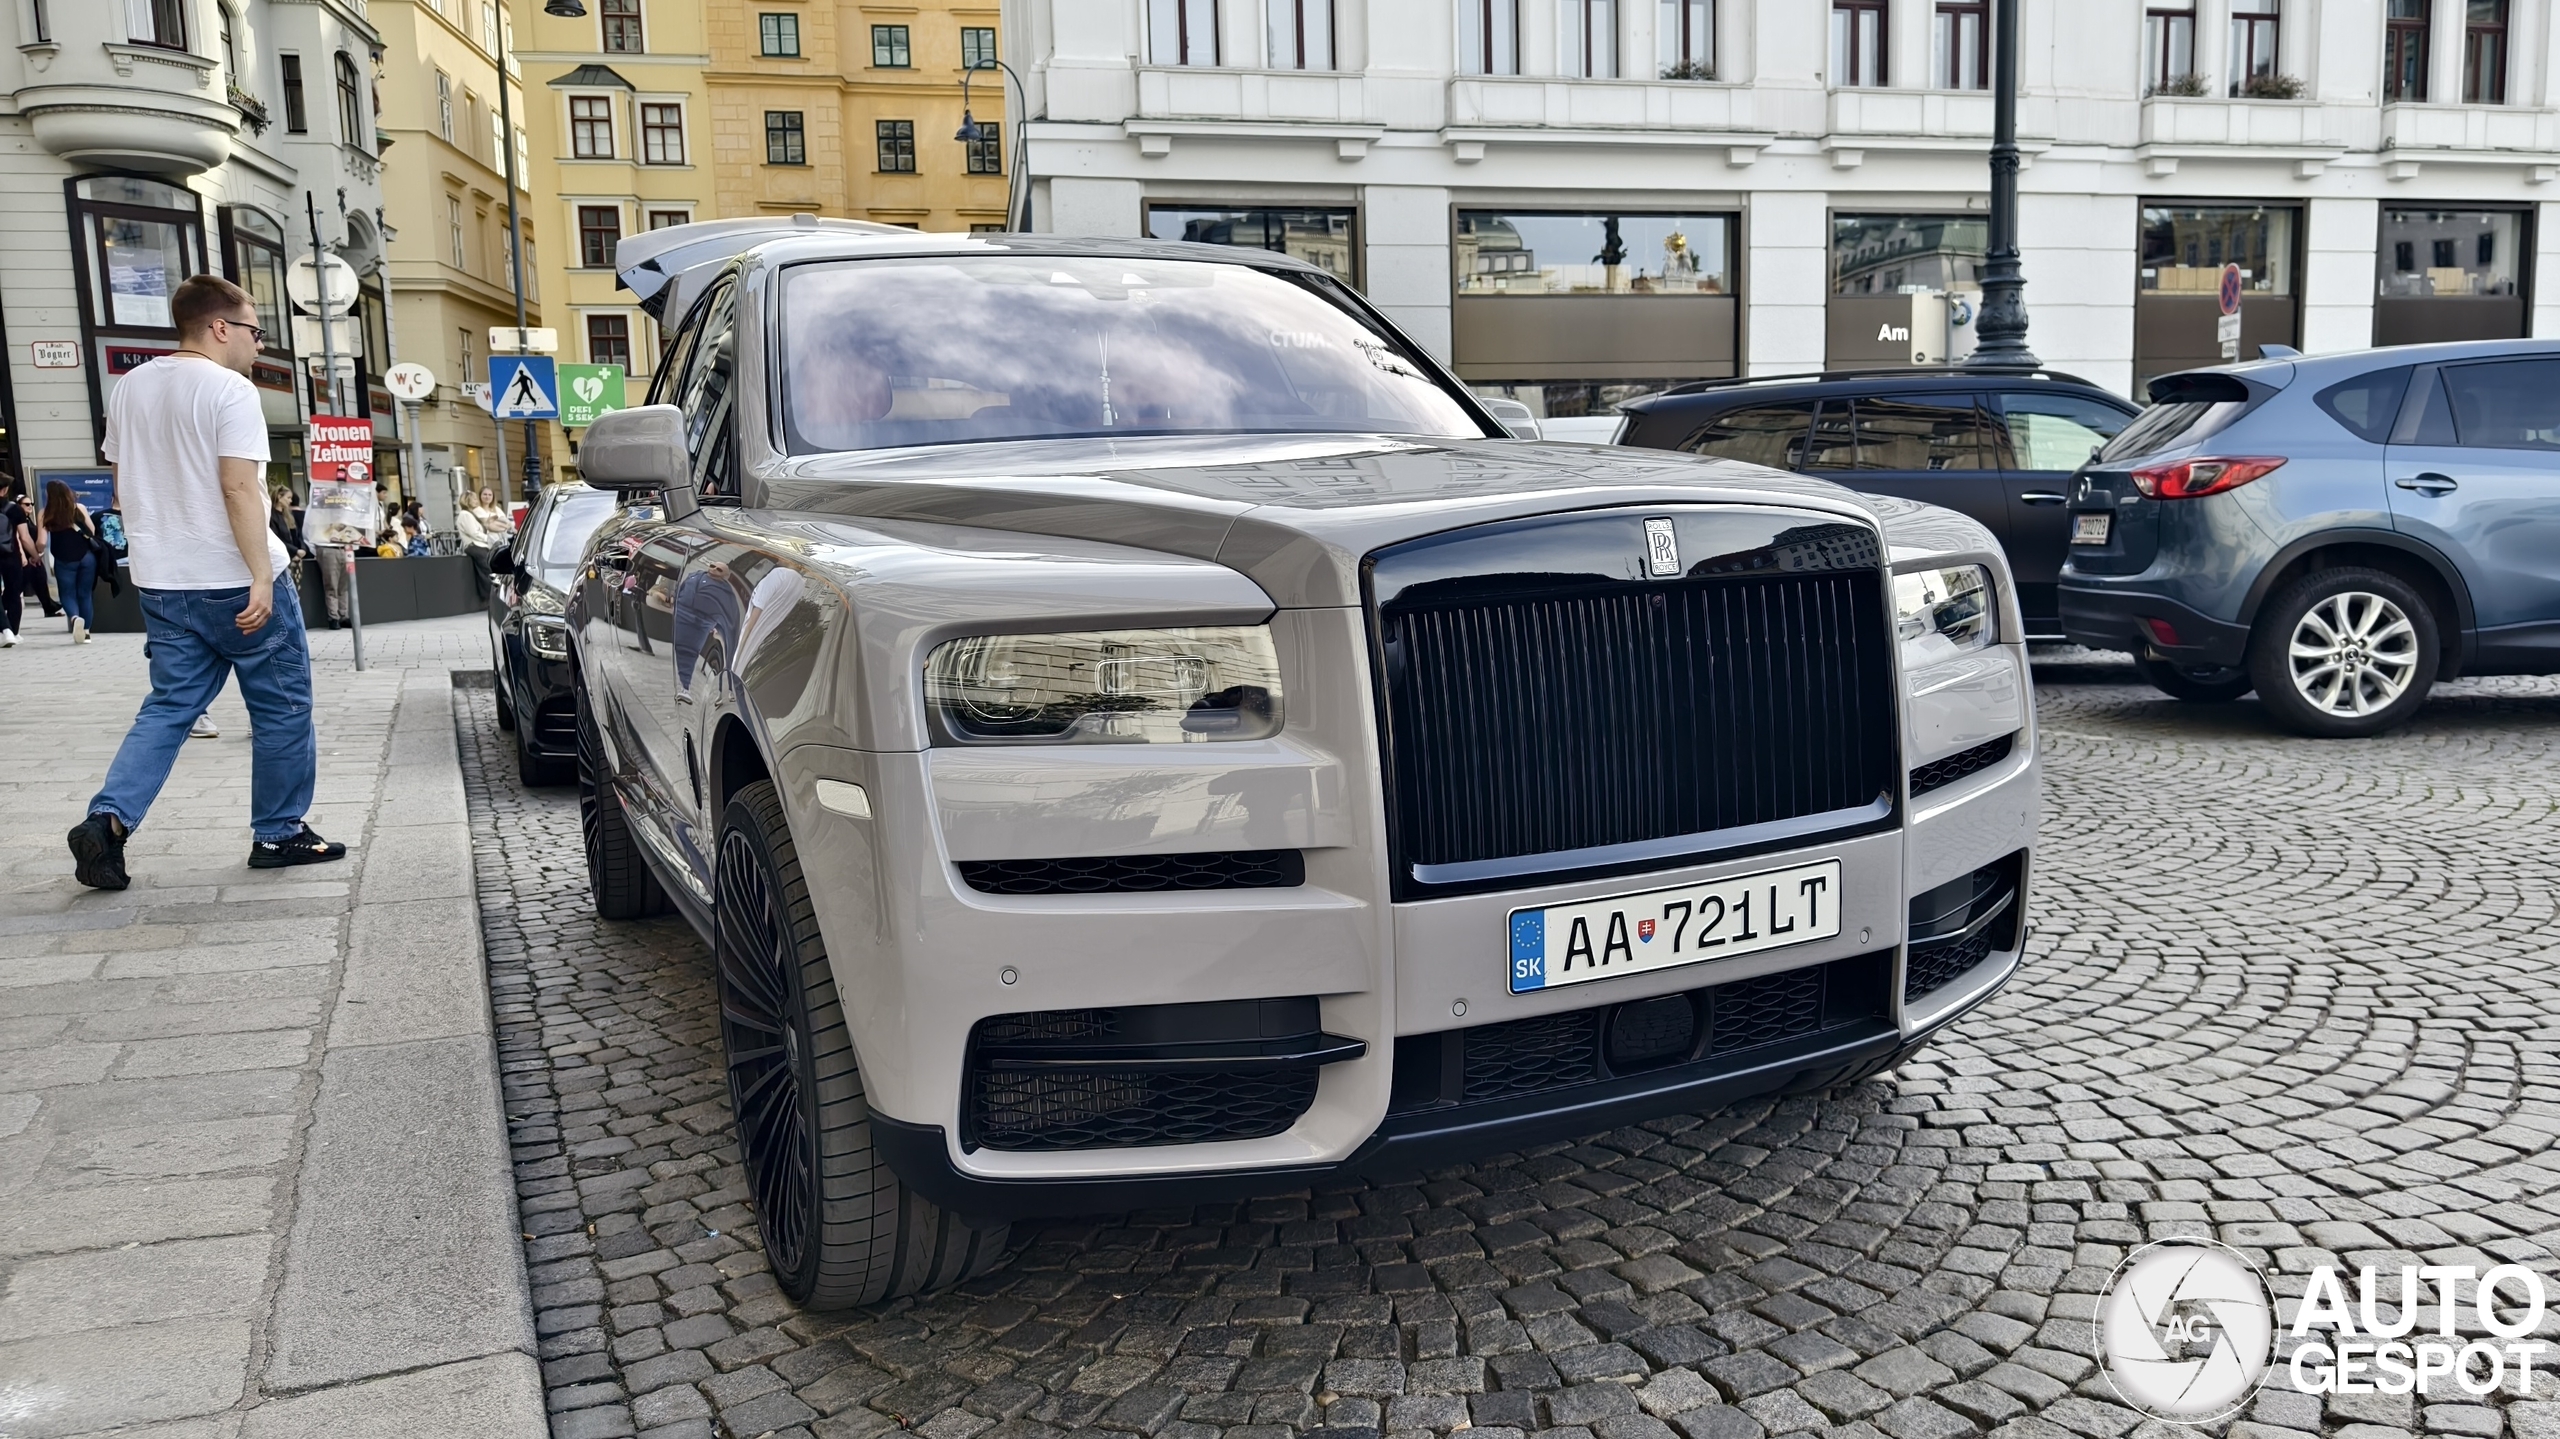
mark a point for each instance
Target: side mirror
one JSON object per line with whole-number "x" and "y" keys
{"x": 636, "y": 449}
{"x": 502, "y": 560}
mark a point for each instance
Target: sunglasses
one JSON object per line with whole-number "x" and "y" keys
{"x": 255, "y": 330}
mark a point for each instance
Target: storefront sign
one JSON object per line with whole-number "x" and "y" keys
{"x": 587, "y": 391}
{"x": 339, "y": 448}
{"x": 55, "y": 354}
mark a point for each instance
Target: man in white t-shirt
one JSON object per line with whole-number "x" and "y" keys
{"x": 188, "y": 440}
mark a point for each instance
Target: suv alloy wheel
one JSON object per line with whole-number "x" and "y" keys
{"x": 838, "y": 1227}
{"x": 2344, "y": 653}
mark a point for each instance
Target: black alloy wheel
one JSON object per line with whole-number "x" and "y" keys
{"x": 763, "y": 1029}
{"x": 2201, "y": 684}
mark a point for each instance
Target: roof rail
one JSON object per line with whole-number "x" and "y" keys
{"x": 1879, "y": 372}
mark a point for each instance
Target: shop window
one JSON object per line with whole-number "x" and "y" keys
{"x": 662, "y": 134}
{"x": 1685, "y": 34}
{"x": 138, "y": 239}
{"x": 609, "y": 340}
{"x": 1960, "y": 45}
{"x": 977, "y": 47}
{"x": 622, "y": 27}
{"x": 778, "y": 35}
{"x": 986, "y": 153}
{"x": 1587, "y": 42}
{"x": 897, "y": 143}
{"x": 297, "y": 110}
{"x": 2254, "y": 30}
{"x": 1301, "y": 34}
{"x": 1857, "y": 42}
{"x": 591, "y": 127}
{"x": 599, "y": 230}
{"x": 784, "y": 140}
{"x": 1906, "y": 254}
{"x": 2184, "y": 249}
{"x": 2169, "y": 49}
{"x": 2484, "y": 53}
{"x": 2467, "y": 253}
{"x": 1320, "y": 237}
{"x": 2404, "y": 49}
{"x": 1488, "y": 37}
{"x": 1592, "y": 253}
{"x": 1182, "y": 32}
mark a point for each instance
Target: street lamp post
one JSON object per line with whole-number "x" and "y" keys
{"x": 566, "y": 10}
{"x": 2002, "y": 328}
{"x": 971, "y": 132}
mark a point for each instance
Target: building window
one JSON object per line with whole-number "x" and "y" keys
{"x": 156, "y": 22}
{"x": 2184, "y": 249}
{"x": 2467, "y": 253}
{"x": 591, "y": 127}
{"x": 489, "y": 27}
{"x": 1960, "y": 45}
{"x": 1857, "y": 42}
{"x": 978, "y": 47}
{"x": 2169, "y": 48}
{"x": 297, "y": 114}
{"x": 1488, "y": 37}
{"x": 453, "y": 231}
{"x": 351, "y": 127}
{"x": 1322, "y": 238}
{"x": 2404, "y": 50}
{"x": 444, "y": 106}
{"x": 609, "y": 340}
{"x": 2253, "y": 46}
{"x": 889, "y": 47}
{"x": 1301, "y": 34}
{"x": 897, "y": 146}
{"x": 1515, "y": 253}
{"x": 622, "y": 27}
{"x": 141, "y": 237}
{"x": 783, "y": 141}
{"x": 986, "y": 153}
{"x": 662, "y": 134}
{"x": 661, "y": 219}
{"x": 257, "y": 266}
{"x": 1686, "y": 32}
{"x": 1182, "y": 32}
{"x": 1587, "y": 39}
{"x": 599, "y": 230}
{"x": 779, "y": 34}
{"x": 2484, "y": 53}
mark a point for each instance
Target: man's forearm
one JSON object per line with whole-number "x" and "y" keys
{"x": 248, "y": 511}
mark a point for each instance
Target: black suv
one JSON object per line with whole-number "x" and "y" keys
{"x": 1998, "y": 445}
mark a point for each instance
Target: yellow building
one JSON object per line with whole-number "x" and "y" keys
{"x": 621, "y": 143}
{"x": 850, "y": 109}
{"x": 444, "y": 194}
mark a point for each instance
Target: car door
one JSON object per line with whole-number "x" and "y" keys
{"x": 1924, "y": 445}
{"x": 2040, "y": 438}
{"x": 2474, "y": 466}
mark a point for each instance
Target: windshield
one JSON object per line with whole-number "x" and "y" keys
{"x": 574, "y": 517}
{"x": 887, "y": 353}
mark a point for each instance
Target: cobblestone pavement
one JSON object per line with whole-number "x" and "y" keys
{"x": 2294, "y": 995}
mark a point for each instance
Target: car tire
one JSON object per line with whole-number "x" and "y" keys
{"x": 839, "y": 1227}
{"x": 2344, "y": 653}
{"x": 618, "y": 877}
{"x": 2202, "y": 684}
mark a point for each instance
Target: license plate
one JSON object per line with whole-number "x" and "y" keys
{"x": 1667, "y": 928}
{"x": 2091, "y": 529}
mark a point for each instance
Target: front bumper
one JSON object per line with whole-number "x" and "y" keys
{"x": 2128, "y": 617}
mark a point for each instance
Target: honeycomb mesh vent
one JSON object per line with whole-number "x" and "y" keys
{"x": 1118, "y": 1108}
{"x": 1526, "y": 1055}
{"x": 1753, "y": 1012}
{"x": 1939, "y": 773}
{"x": 1137, "y": 873}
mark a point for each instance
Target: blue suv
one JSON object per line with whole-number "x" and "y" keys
{"x": 2337, "y": 533}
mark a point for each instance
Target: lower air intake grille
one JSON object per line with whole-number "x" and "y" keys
{"x": 1961, "y": 923}
{"x": 1932, "y": 965}
{"x": 1939, "y": 773}
{"x": 1765, "y": 1010}
{"x": 1110, "y": 1109}
{"x": 1527, "y": 1055}
{"x": 1233, "y": 869}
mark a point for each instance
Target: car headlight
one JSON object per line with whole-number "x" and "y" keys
{"x": 1943, "y": 612}
{"x": 548, "y": 638}
{"x": 1107, "y": 686}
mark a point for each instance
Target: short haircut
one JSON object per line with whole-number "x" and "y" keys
{"x": 203, "y": 299}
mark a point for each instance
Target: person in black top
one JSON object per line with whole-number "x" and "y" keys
{"x": 74, "y": 538}
{"x": 15, "y": 535}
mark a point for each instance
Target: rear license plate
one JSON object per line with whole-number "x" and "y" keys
{"x": 2091, "y": 529}
{"x": 1667, "y": 928}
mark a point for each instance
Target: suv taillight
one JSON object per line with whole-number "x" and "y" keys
{"x": 2193, "y": 479}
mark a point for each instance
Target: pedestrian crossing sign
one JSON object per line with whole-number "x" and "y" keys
{"x": 524, "y": 387}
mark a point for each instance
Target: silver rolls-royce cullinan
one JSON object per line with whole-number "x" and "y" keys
{"x": 1133, "y": 728}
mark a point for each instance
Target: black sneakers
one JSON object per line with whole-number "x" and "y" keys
{"x": 303, "y": 848}
{"x": 97, "y": 852}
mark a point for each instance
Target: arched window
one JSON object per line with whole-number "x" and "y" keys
{"x": 351, "y": 126}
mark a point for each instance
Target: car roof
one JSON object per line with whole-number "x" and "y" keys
{"x": 1854, "y": 381}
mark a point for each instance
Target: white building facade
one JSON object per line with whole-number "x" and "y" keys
{"x": 1580, "y": 200}
{"x": 143, "y": 141}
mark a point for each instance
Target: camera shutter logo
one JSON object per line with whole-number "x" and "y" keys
{"x": 2185, "y": 1330}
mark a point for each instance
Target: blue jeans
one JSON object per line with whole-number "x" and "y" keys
{"x": 194, "y": 645}
{"x": 79, "y": 581}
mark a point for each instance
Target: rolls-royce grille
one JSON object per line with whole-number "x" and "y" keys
{"x": 1564, "y": 729}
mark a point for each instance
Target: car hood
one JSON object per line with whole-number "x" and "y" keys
{"x": 1297, "y": 513}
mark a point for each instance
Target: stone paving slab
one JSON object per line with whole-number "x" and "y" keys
{"x": 2296, "y": 995}
{"x": 251, "y": 1159}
